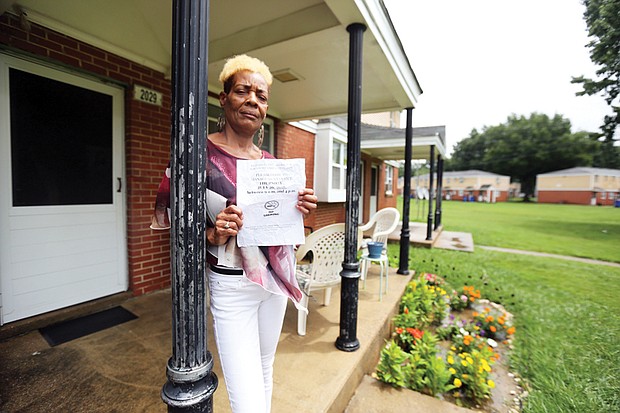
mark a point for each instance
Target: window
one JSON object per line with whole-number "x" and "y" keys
{"x": 603, "y": 196}
{"x": 61, "y": 142}
{"x": 389, "y": 179}
{"x": 330, "y": 162}
{"x": 339, "y": 164}
{"x": 460, "y": 192}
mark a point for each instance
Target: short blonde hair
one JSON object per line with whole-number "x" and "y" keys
{"x": 243, "y": 62}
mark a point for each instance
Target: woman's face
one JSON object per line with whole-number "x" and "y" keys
{"x": 245, "y": 106}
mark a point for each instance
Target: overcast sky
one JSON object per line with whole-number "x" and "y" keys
{"x": 479, "y": 61}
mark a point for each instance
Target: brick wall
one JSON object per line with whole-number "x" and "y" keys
{"x": 292, "y": 142}
{"x": 147, "y": 139}
{"x": 329, "y": 213}
{"x": 565, "y": 197}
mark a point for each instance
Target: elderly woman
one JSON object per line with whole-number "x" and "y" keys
{"x": 249, "y": 286}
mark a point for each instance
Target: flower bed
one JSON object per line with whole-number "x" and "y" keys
{"x": 445, "y": 343}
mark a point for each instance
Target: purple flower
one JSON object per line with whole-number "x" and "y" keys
{"x": 482, "y": 333}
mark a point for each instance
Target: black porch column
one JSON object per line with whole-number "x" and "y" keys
{"x": 439, "y": 190}
{"x": 403, "y": 264}
{"x": 191, "y": 382}
{"x": 429, "y": 222}
{"x": 347, "y": 340}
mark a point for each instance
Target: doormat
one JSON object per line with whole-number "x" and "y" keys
{"x": 70, "y": 330}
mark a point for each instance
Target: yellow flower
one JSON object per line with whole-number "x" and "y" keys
{"x": 470, "y": 360}
{"x": 453, "y": 348}
{"x": 465, "y": 376}
{"x": 464, "y": 363}
{"x": 452, "y": 371}
{"x": 485, "y": 366}
{"x": 450, "y": 360}
{"x": 491, "y": 383}
{"x": 459, "y": 383}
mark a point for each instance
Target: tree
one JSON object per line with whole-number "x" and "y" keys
{"x": 603, "y": 20}
{"x": 525, "y": 147}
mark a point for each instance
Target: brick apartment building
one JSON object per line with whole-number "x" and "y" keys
{"x": 581, "y": 185}
{"x": 472, "y": 185}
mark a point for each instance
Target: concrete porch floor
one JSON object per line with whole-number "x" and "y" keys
{"x": 122, "y": 369}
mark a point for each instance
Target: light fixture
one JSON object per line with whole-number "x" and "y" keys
{"x": 286, "y": 75}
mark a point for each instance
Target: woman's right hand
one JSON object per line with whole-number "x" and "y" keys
{"x": 227, "y": 224}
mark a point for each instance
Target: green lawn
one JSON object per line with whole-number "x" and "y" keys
{"x": 580, "y": 231}
{"x": 567, "y": 314}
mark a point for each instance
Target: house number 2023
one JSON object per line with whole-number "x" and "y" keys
{"x": 146, "y": 95}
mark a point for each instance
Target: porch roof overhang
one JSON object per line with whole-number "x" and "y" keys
{"x": 305, "y": 38}
{"x": 389, "y": 143}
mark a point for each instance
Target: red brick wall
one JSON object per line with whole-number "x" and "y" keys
{"x": 329, "y": 213}
{"x": 610, "y": 198}
{"x": 502, "y": 197}
{"x": 147, "y": 140}
{"x": 565, "y": 197}
{"x": 292, "y": 142}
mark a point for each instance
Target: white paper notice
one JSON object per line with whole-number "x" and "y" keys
{"x": 267, "y": 192}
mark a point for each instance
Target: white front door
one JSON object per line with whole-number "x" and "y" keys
{"x": 361, "y": 203}
{"x": 62, "y": 221}
{"x": 374, "y": 182}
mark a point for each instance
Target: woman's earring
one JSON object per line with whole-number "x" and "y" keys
{"x": 221, "y": 122}
{"x": 261, "y": 135}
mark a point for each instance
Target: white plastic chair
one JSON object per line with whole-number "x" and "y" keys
{"x": 326, "y": 247}
{"x": 380, "y": 226}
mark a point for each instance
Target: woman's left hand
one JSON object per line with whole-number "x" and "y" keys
{"x": 307, "y": 201}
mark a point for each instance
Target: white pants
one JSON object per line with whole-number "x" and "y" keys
{"x": 247, "y": 321}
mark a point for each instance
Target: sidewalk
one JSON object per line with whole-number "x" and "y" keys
{"x": 544, "y": 254}
{"x": 122, "y": 369}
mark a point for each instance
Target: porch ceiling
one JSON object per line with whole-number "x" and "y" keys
{"x": 307, "y": 37}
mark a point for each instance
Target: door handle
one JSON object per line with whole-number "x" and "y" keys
{"x": 120, "y": 185}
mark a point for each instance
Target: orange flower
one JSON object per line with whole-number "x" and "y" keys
{"x": 475, "y": 314}
{"x": 406, "y": 310}
{"x": 511, "y": 330}
{"x": 490, "y": 319}
{"x": 415, "y": 332}
{"x": 399, "y": 330}
{"x": 493, "y": 329}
